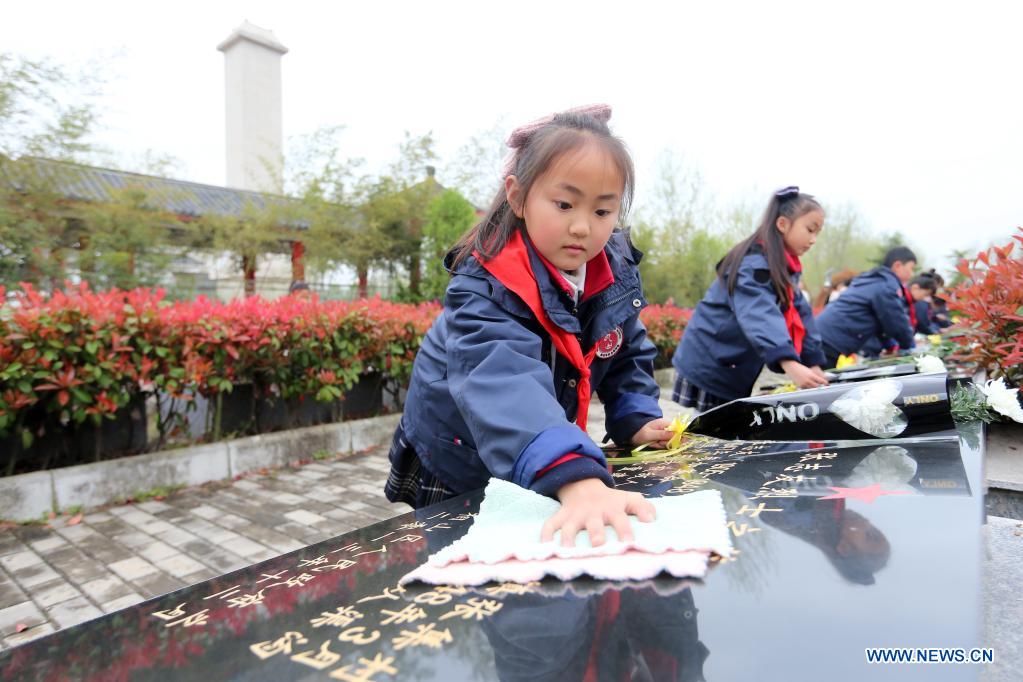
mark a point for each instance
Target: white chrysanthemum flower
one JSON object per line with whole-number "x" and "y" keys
{"x": 869, "y": 407}
{"x": 1003, "y": 399}
{"x": 929, "y": 363}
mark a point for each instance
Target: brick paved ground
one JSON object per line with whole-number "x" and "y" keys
{"x": 52, "y": 578}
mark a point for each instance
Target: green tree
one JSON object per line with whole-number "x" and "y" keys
{"x": 845, "y": 243}
{"x": 448, "y": 217}
{"x": 362, "y": 221}
{"x": 36, "y": 226}
{"x": 331, "y": 194}
{"x": 890, "y": 240}
{"x": 396, "y": 204}
{"x": 681, "y": 233}
{"x": 956, "y": 257}
{"x": 45, "y": 110}
{"x": 129, "y": 242}
{"x": 476, "y": 168}
{"x": 260, "y": 229}
{"x": 47, "y": 116}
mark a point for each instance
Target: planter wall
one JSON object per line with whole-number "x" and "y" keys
{"x": 244, "y": 413}
{"x": 56, "y": 444}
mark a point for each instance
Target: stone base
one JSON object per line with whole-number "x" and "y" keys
{"x": 1004, "y": 456}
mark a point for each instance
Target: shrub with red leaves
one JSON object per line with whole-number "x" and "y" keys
{"x": 81, "y": 355}
{"x": 665, "y": 325}
{"x": 989, "y": 304}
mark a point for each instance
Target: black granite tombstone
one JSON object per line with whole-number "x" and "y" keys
{"x": 842, "y": 546}
{"x": 900, "y": 407}
{"x": 867, "y": 373}
{"x": 848, "y": 375}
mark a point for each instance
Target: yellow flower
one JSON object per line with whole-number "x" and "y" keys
{"x": 785, "y": 388}
{"x": 845, "y": 361}
{"x": 934, "y": 339}
{"x": 678, "y": 426}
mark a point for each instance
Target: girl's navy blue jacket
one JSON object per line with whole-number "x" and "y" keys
{"x": 732, "y": 336}
{"x": 924, "y": 322}
{"x": 873, "y": 307}
{"x": 489, "y": 397}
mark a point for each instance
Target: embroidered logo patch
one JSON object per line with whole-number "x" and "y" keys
{"x": 610, "y": 344}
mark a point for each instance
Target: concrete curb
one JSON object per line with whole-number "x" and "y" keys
{"x": 1004, "y": 456}
{"x": 30, "y": 496}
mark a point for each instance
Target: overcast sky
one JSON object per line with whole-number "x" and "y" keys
{"x": 911, "y": 111}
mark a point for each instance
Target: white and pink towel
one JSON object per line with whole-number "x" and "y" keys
{"x": 504, "y": 545}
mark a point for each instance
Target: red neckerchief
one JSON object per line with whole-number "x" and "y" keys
{"x": 912, "y": 307}
{"x": 608, "y": 606}
{"x": 838, "y": 510}
{"x": 797, "y": 330}
{"x": 512, "y": 268}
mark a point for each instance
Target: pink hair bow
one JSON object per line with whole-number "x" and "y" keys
{"x": 521, "y": 135}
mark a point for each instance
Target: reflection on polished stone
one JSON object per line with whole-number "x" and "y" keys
{"x": 818, "y": 576}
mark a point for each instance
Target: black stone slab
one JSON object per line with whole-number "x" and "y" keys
{"x": 852, "y": 374}
{"x": 865, "y": 373}
{"x": 815, "y": 581}
{"x": 918, "y": 405}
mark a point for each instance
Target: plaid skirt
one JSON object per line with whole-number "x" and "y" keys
{"x": 688, "y": 394}
{"x": 409, "y": 481}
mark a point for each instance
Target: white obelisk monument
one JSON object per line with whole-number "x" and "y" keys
{"x": 252, "y": 83}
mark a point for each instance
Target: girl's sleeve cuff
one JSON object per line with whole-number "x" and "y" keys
{"x": 549, "y": 482}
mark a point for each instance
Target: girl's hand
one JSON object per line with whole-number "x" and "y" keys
{"x": 655, "y": 432}
{"x": 590, "y": 505}
{"x": 802, "y": 376}
{"x": 816, "y": 369}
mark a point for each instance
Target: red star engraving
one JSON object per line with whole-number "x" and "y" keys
{"x": 867, "y": 493}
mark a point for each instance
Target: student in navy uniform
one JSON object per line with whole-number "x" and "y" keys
{"x": 939, "y": 306}
{"x": 754, "y": 314}
{"x": 875, "y": 306}
{"x": 542, "y": 308}
{"x": 921, "y": 290}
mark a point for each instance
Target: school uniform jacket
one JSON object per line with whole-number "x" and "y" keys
{"x": 873, "y": 307}
{"x": 732, "y": 336}
{"x": 924, "y": 322}
{"x": 489, "y": 396}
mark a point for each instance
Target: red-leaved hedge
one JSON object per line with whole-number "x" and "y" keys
{"x": 81, "y": 355}
{"x": 990, "y": 308}
{"x": 665, "y": 325}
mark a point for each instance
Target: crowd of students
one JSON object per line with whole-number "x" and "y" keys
{"x": 927, "y": 290}
{"x": 740, "y": 324}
